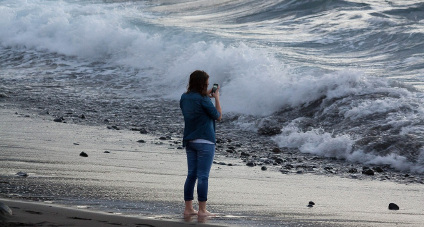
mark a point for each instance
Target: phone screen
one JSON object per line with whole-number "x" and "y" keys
{"x": 215, "y": 86}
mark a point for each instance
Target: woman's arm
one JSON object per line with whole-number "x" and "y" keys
{"x": 217, "y": 104}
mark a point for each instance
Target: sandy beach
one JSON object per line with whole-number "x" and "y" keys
{"x": 139, "y": 183}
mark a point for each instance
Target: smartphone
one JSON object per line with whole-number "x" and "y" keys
{"x": 215, "y": 86}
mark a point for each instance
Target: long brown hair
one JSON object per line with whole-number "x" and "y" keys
{"x": 198, "y": 82}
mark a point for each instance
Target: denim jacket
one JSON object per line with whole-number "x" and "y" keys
{"x": 199, "y": 117}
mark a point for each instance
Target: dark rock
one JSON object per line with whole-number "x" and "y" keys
{"x": 82, "y": 116}
{"x": 244, "y": 154}
{"x": 76, "y": 144}
{"x": 229, "y": 164}
{"x": 311, "y": 203}
{"x": 180, "y": 148}
{"x": 369, "y": 172}
{"x": 59, "y": 119}
{"x": 143, "y": 131}
{"x": 83, "y": 154}
{"x": 115, "y": 127}
{"x": 378, "y": 169}
{"x": 393, "y": 206}
{"x": 230, "y": 151}
{"x": 279, "y": 160}
{"x": 3, "y": 95}
{"x": 162, "y": 138}
{"x": 251, "y": 164}
{"x": 288, "y": 166}
{"x": 269, "y": 131}
{"x": 141, "y": 141}
{"x": 264, "y": 168}
{"x": 276, "y": 150}
{"x": 353, "y": 170}
{"x": 107, "y": 152}
{"x": 22, "y": 174}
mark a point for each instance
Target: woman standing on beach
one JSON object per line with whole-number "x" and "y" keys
{"x": 199, "y": 138}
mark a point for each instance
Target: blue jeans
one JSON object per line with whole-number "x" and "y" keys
{"x": 199, "y": 162}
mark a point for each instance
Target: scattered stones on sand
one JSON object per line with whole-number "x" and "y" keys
{"x": 393, "y": 206}
{"x": 5, "y": 211}
{"x": 22, "y": 174}
{"x": 83, "y": 154}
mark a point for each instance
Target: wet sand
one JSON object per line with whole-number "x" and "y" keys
{"x": 145, "y": 180}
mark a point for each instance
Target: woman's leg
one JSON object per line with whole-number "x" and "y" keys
{"x": 205, "y": 154}
{"x": 190, "y": 180}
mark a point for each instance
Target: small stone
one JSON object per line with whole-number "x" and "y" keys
{"x": 76, "y": 144}
{"x": 22, "y": 174}
{"x": 115, "y": 127}
{"x": 59, "y": 119}
{"x": 393, "y": 206}
{"x": 311, "y": 203}
{"x": 251, "y": 164}
{"x": 83, "y": 154}
{"x": 263, "y": 168}
{"x": 378, "y": 169}
{"x": 106, "y": 152}
{"x": 180, "y": 148}
{"x": 141, "y": 141}
{"x": 276, "y": 150}
{"x": 82, "y": 116}
{"x": 244, "y": 154}
{"x": 353, "y": 170}
{"x": 162, "y": 138}
{"x": 368, "y": 172}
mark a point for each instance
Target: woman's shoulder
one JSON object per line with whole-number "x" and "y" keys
{"x": 192, "y": 95}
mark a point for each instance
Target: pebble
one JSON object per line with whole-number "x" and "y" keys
{"x": 22, "y": 174}
{"x": 393, "y": 206}
{"x": 264, "y": 168}
{"x": 141, "y": 141}
{"x": 251, "y": 164}
{"x": 83, "y": 154}
{"x": 59, "y": 119}
{"x": 369, "y": 172}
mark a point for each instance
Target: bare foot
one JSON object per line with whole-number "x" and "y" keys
{"x": 190, "y": 212}
{"x": 205, "y": 214}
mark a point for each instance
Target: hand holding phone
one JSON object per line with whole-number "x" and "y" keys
{"x": 214, "y": 88}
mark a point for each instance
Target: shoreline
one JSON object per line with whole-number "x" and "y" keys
{"x": 133, "y": 174}
{"x": 29, "y": 213}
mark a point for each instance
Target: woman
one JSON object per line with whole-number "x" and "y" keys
{"x": 199, "y": 138}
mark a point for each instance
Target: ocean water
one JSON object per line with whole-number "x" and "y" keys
{"x": 341, "y": 79}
